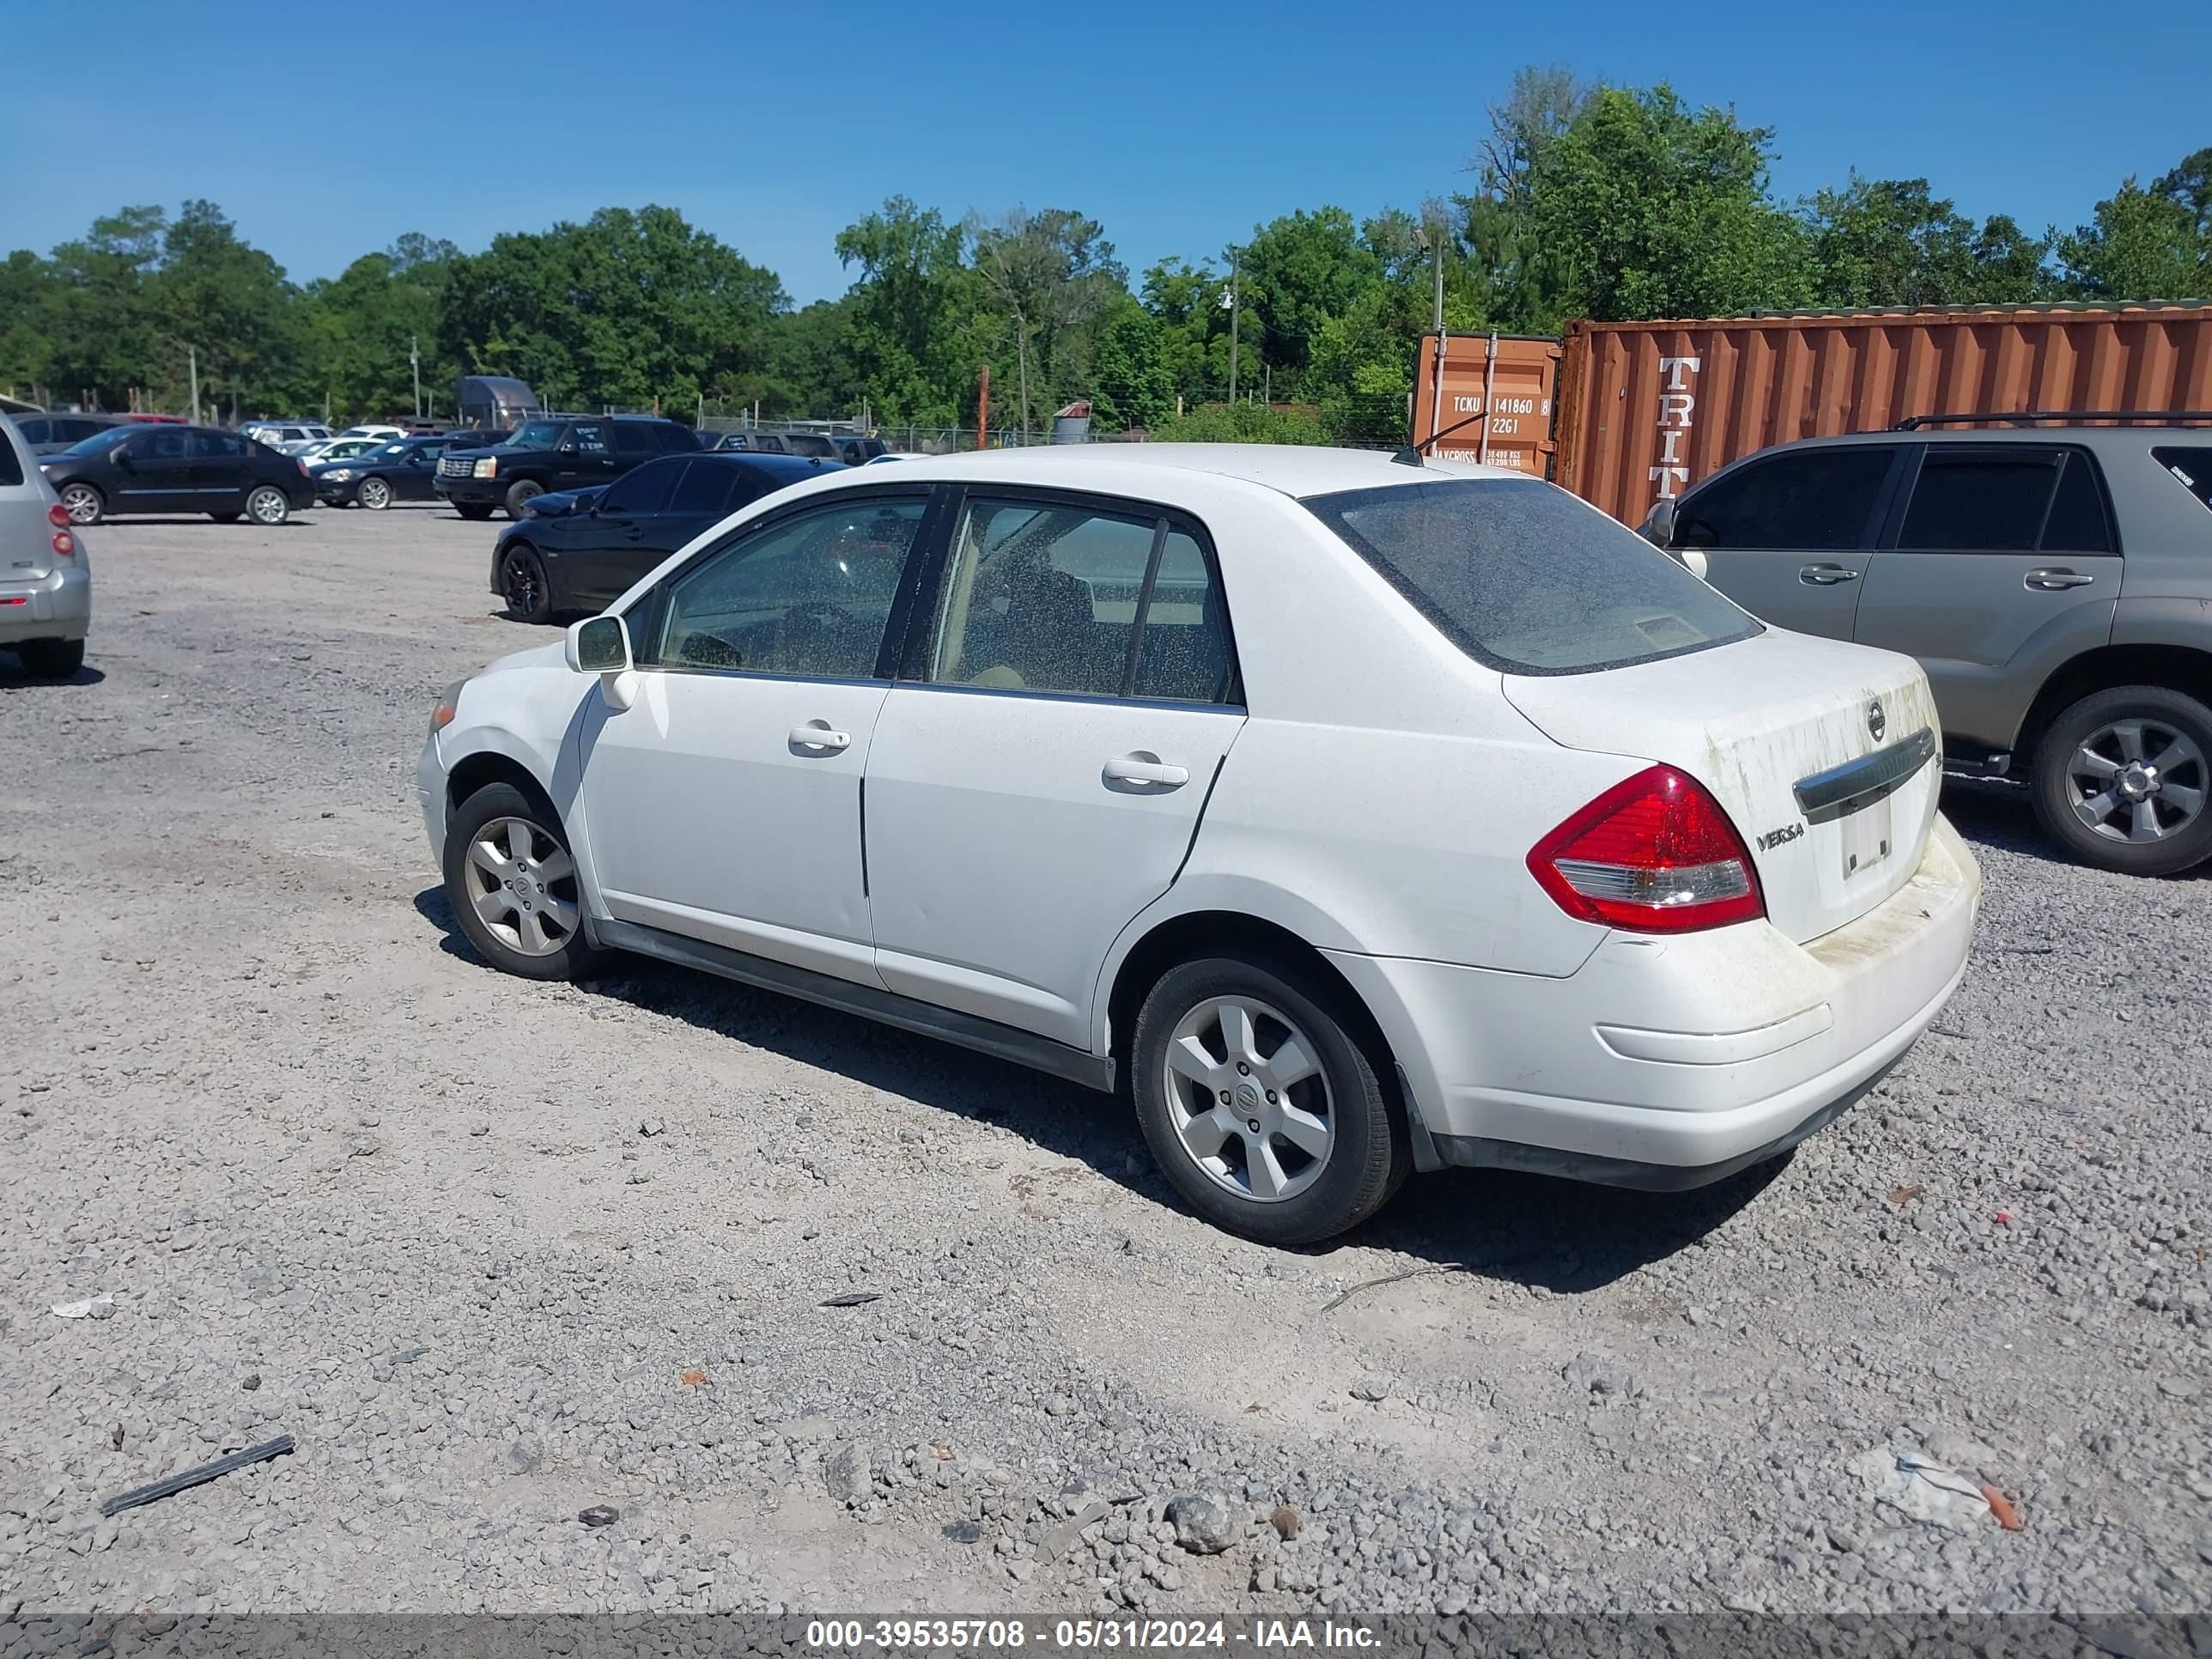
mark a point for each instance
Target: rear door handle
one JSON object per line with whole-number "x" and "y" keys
{"x": 1825, "y": 575}
{"x": 2055, "y": 581}
{"x": 816, "y": 737}
{"x": 1144, "y": 767}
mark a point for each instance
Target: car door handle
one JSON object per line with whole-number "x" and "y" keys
{"x": 817, "y": 736}
{"x": 1146, "y": 768}
{"x": 1825, "y": 575}
{"x": 2055, "y": 581}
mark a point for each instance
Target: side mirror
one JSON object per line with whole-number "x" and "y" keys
{"x": 600, "y": 645}
{"x": 1659, "y": 525}
{"x": 122, "y": 457}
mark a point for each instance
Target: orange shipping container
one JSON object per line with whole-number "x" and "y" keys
{"x": 1497, "y": 389}
{"x": 1646, "y": 409}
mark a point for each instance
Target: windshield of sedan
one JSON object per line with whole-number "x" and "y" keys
{"x": 1524, "y": 578}
{"x": 100, "y": 441}
{"x": 534, "y": 434}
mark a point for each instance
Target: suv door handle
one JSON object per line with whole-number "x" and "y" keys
{"x": 816, "y": 736}
{"x": 1143, "y": 767}
{"x": 1825, "y": 575}
{"x": 2055, "y": 580}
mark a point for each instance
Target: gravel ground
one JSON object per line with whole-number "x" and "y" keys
{"x": 497, "y": 1252}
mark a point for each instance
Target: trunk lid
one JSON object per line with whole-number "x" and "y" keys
{"x": 1781, "y": 729}
{"x": 27, "y": 553}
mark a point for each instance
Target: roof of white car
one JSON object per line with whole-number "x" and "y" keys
{"x": 1293, "y": 469}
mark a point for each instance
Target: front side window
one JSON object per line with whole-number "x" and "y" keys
{"x": 807, "y": 596}
{"x": 106, "y": 439}
{"x": 1523, "y": 577}
{"x": 535, "y": 434}
{"x": 642, "y": 491}
{"x": 1814, "y": 499}
{"x": 1980, "y": 501}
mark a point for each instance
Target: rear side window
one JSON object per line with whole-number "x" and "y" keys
{"x": 2077, "y": 523}
{"x": 35, "y": 432}
{"x": 1524, "y": 578}
{"x": 704, "y": 491}
{"x": 11, "y": 462}
{"x": 633, "y": 440}
{"x": 2191, "y": 464}
{"x": 641, "y": 492}
{"x": 1818, "y": 499}
{"x": 1979, "y": 502}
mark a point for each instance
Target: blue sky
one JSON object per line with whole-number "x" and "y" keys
{"x": 327, "y": 129}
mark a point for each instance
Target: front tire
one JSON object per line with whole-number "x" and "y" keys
{"x": 512, "y": 884}
{"x": 475, "y": 512}
{"x": 2123, "y": 779}
{"x": 522, "y": 579}
{"x": 51, "y": 659}
{"x": 267, "y": 507}
{"x": 84, "y": 503}
{"x": 375, "y": 493}
{"x": 519, "y": 493}
{"x": 224, "y": 517}
{"x": 1260, "y": 1101}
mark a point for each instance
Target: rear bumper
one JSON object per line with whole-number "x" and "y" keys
{"x": 1672, "y": 1062}
{"x": 57, "y": 606}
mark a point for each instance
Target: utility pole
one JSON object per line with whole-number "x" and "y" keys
{"x": 1233, "y": 255}
{"x": 414, "y": 362}
{"x": 983, "y": 410}
{"x": 192, "y": 356}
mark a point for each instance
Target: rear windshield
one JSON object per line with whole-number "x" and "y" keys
{"x": 2191, "y": 464}
{"x": 11, "y": 467}
{"x": 1523, "y": 577}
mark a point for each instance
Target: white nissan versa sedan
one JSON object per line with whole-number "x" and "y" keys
{"x": 1362, "y": 817}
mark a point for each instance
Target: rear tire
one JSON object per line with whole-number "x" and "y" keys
{"x": 1261, "y": 1102}
{"x": 51, "y": 659}
{"x": 512, "y": 884}
{"x": 522, "y": 579}
{"x": 266, "y": 505}
{"x": 2123, "y": 779}
{"x": 520, "y": 491}
{"x": 475, "y": 512}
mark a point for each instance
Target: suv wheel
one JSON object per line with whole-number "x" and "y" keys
{"x": 2121, "y": 778}
{"x": 520, "y": 491}
{"x": 512, "y": 885}
{"x": 1261, "y": 1105}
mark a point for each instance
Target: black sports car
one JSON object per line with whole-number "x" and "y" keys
{"x": 579, "y": 550}
{"x": 400, "y": 471}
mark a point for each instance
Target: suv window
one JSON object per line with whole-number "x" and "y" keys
{"x": 808, "y": 596}
{"x": 675, "y": 440}
{"x": 2191, "y": 464}
{"x": 640, "y": 492}
{"x": 1817, "y": 498}
{"x": 1048, "y": 597}
{"x": 634, "y": 438}
{"x": 1522, "y": 576}
{"x": 704, "y": 489}
{"x": 806, "y": 443}
{"x": 1981, "y": 500}
{"x": 35, "y": 432}
{"x": 590, "y": 437}
{"x": 2077, "y": 522}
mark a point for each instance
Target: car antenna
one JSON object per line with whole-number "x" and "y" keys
{"x": 1411, "y": 454}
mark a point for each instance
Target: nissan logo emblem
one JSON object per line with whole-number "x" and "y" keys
{"x": 1877, "y": 722}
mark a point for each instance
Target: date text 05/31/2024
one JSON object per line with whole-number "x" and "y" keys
{"x": 1143, "y": 1635}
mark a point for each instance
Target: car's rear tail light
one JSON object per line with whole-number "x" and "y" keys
{"x": 57, "y": 515}
{"x": 302, "y": 465}
{"x": 1656, "y": 854}
{"x": 65, "y": 544}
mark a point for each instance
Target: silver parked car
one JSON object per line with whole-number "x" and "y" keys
{"x": 2055, "y": 581}
{"x": 45, "y": 582}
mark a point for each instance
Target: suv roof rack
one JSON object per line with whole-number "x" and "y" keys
{"x": 1914, "y": 423}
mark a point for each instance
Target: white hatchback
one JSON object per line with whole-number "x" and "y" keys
{"x": 1358, "y": 817}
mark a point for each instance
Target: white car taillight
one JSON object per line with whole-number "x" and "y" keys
{"x": 1656, "y": 854}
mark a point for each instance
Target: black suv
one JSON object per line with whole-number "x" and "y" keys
{"x": 556, "y": 452}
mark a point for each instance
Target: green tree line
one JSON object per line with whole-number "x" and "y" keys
{"x": 1604, "y": 201}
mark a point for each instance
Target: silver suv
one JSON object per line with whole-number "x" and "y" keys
{"x": 2055, "y": 581}
{"x": 46, "y": 585}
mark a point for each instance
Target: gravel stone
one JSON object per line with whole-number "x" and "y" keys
{"x": 1201, "y": 1522}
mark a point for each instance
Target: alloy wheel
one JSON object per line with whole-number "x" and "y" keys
{"x": 81, "y": 502}
{"x": 522, "y": 883}
{"x": 2137, "y": 780}
{"x": 267, "y": 506}
{"x": 524, "y": 594}
{"x": 1249, "y": 1099}
{"x": 375, "y": 493}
